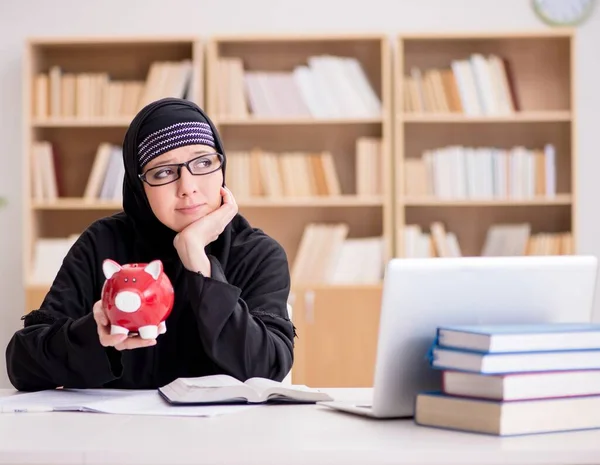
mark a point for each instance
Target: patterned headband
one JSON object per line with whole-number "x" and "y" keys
{"x": 173, "y": 136}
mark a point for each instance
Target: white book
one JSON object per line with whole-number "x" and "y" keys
{"x": 37, "y": 176}
{"x": 324, "y": 86}
{"x": 48, "y": 257}
{"x": 357, "y": 76}
{"x": 98, "y": 171}
{"x": 111, "y": 174}
{"x": 522, "y": 386}
{"x": 520, "y": 362}
{"x": 550, "y": 164}
{"x": 310, "y": 92}
{"x": 224, "y": 389}
{"x": 467, "y": 87}
{"x": 485, "y": 85}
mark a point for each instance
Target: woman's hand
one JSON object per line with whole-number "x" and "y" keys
{"x": 191, "y": 241}
{"x": 118, "y": 341}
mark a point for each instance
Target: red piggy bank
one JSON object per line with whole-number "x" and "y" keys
{"x": 137, "y": 297}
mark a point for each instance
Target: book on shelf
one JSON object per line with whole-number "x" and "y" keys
{"x": 369, "y": 166}
{"x": 437, "y": 242}
{"x": 510, "y": 239}
{"x": 45, "y": 171}
{"x": 459, "y": 172}
{"x": 327, "y": 255}
{"x": 507, "y": 240}
{"x": 215, "y": 389}
{"x": 507, "y": 379}
{"x": 48, "y": 256}
{"x": 326, "y": 86}
{"x": 64, "y": 94}
{"x": 268, "y": 174}
{"x": 105, "y": 181}
{"x": 263, "y": 173}
{"x": 474, "y": 86}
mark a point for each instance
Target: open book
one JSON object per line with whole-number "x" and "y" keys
{"x": 218, "y": 389}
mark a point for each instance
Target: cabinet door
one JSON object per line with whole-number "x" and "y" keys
{"x": 34, "y": 296}
{"x": 337, "y": 335}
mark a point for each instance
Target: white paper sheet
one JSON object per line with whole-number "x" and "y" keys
{"x": 111, "y": 401}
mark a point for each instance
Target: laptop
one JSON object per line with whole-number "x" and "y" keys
{"x": 420, "y": 294}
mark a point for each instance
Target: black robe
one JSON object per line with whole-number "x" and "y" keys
{"x": 234, "y": 322}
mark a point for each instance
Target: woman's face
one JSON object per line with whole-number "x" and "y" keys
{"x": 189, "y": 198}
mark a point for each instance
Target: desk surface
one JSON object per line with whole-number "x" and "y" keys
{"x": 278, "y": 434}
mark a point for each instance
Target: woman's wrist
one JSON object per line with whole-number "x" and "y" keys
{"x": 200, "y": 264}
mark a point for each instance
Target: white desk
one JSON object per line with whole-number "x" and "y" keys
{"x": 286, "y": 434}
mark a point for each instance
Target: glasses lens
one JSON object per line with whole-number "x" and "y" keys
{"x": 205, "y": 164}
{"x": 162, "y": 175}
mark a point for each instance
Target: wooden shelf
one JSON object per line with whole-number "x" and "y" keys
{"x": 563, "y": 199}
{"x": 542, "y": 68}
{"x": 81, "y": 122}
{"x": 74, "y": 203}
{"x": 349, "y": 201}
{"x": 518, "y": 117}
{"x": 470, "y": 36}
{"x": 309, "y": 202}
{"x": 224, "y": 121}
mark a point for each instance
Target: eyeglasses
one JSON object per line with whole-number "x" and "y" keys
{"x": 199, "y": 166}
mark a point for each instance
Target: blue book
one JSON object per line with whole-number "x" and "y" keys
{"x": 505, "y": 338}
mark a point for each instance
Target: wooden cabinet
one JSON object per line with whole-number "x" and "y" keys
{"x": 337, "y": 335}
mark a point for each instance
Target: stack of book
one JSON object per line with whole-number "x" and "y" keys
{"x": 514, "y": 379}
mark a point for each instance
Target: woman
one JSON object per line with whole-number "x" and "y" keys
{"x": 231, "y": 281}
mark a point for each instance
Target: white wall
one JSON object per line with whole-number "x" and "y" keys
{"x": 22, "y": 18}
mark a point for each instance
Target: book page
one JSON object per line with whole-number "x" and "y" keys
{"x": 261, "y": 384}
{"x": 276, "y": 391}
{"x": 59, "y": 399}
{"x": 119, "y": 402}
{"x": 214, "y": 381}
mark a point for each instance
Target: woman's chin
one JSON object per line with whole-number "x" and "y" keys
{"x": 183, "y": 221}
{"x": 182, "y": 224}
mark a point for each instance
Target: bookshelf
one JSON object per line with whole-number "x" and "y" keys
{"x": 80, "y": 95}
{"x": 334, "y": 151}
{"x": 484, "y": 136}
{"x": 306, "y": 122}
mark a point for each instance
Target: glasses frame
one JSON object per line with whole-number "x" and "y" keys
{"x": 179, "y": 166}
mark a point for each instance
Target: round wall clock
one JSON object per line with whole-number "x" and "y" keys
{"x": 563, "y": 12}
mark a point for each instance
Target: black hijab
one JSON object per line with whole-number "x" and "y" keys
{"x": 154, "y": 238}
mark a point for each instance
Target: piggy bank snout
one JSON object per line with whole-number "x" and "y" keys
{"x": 128, "y": 301}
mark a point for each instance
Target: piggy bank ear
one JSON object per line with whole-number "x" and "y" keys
{"x": 154, "y": 268}
{"x": 110, "y": 267}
